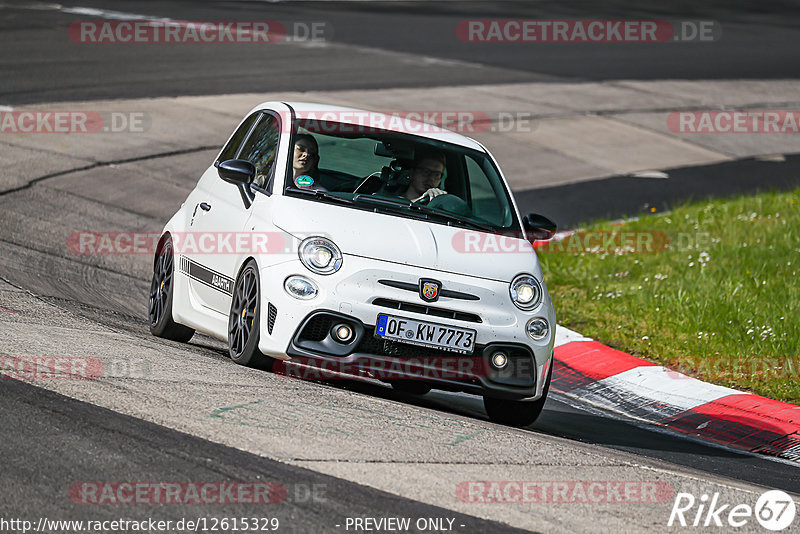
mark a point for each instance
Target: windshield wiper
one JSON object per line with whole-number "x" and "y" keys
{"x": 453, "y": 217}
{"x": 316, "y": 193}
{"x": 387, "y": 204}
{"x": 407, "y": 205}
{"x": 383, "y": 202}
{"x": 400, "y": 203}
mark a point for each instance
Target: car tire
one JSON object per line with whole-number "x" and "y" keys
{"x": 161, "y": 294}
{"x": 413, "y": 387}
{"x": 517, "y": 413}
{"x": 244, "y": 324}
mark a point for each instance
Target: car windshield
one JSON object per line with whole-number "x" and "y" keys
{"x": 398, "y": 174}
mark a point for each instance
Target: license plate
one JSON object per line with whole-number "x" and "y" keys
{"x": 425, "y": 334}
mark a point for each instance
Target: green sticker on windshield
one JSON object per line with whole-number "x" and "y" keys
{"x": 304, "y": 180}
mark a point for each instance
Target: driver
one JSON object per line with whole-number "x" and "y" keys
{"x": 426, "y": 175}
{"x": 305, "y": 162}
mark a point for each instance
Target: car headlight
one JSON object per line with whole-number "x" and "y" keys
{"x": 320, "y": 255}
{"x": 525, "y": 291}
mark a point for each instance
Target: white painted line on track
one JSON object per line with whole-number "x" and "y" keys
{"x": 659, "y": 175}
{"x": 109, "y": 14}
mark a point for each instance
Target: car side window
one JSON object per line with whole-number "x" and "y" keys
{"x": 230, "y": 150}
{"x": 484, "y": 195}
{"x": 261, "y": 149}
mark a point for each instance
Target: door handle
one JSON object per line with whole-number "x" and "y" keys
{"x": 205, "y": 206}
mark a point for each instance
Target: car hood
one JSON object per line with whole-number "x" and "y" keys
{"x": 408, "y": 241}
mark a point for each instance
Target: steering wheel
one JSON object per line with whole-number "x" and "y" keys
{"x": 370, "y": 184}
{"x": 425, "y": 201}
{"x": 451, "y": 203}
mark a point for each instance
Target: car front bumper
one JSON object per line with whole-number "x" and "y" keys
{"x": 300, "y": 329}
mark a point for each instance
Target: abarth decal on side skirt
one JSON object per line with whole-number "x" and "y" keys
{"x": 206, "y": 276}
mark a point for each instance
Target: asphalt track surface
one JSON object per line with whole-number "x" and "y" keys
{"x": 376, "y": 45}
{"x": 132, "y": 447}
{"x": 50, "y": 441}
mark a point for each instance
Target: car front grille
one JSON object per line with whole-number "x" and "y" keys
{"x": 415, "y": 288}
{"x": 427, "y": 310}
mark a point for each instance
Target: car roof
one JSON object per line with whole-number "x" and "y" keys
{"x": 401, "y": 121}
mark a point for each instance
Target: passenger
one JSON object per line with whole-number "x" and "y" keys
{"x": 426, "y": 175}
{"x": 305, "y": 162}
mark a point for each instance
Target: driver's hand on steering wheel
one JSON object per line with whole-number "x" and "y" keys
{"x": 430, "y": 194}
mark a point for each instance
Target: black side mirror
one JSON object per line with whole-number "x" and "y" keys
{"x": 237, "y": 171}
{"x": 240, "y": 173}
{"x": 539, "y": 227}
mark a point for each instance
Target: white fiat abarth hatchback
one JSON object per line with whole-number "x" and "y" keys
{"x": 348, "y": 243}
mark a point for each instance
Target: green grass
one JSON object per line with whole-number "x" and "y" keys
{"x": 721, "y": 302}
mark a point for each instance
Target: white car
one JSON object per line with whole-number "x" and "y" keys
{"x": 394, "y": 252}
